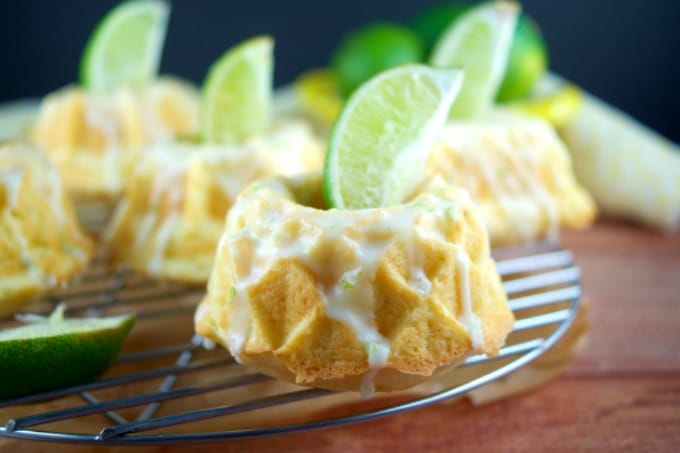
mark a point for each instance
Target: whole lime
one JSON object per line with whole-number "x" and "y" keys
{"x": 431, "y": 22}
{"x": 528, "y": 57}
{"x": 371, "y": 49}
{"x": 527, "y": 62}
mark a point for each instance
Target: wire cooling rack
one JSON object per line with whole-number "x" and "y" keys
{"x": 166, "y": 388}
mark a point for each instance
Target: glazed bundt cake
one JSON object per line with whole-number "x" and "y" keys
{"x": 374, "y": 299}
{"x": 41, "y": 244}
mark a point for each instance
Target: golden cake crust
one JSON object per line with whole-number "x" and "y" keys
{"x": 275, "y": 296}
{"x": 41, "y": 244}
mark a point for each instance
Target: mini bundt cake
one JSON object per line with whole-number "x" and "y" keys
{"x": 517, "y": 171}
{"x": 41, "y": 244}
{"x": 369, "y": 300}
{"x": 93, "y": 138}
{"x": 172, "y": 213}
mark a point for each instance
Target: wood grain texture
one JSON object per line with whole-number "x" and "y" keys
{"x": 622, "y": 393}
{"x": 632, "y": 277}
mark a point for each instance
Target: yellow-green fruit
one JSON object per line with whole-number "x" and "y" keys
{"x": 527, "y": 62}
{"x": 372, "y": 49}
{"x": 528, "y": 59}
{"x": 430, "y": 23}
{"x": 54, "y": 354}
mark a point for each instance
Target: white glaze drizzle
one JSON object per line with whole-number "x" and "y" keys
{"x": 100, "y": 114}
{"x": 160, "y": 242}
{"x": 12, "y": 178}
{"x": 519, "y": 149}
{"x": 468, "y": 317}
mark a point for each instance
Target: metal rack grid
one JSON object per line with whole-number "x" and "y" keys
{"x": 133, "y": 403}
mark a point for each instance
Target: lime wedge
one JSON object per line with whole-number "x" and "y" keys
{"x": 125, "y": 48}
{"x": 236, "y": 95}
{"x": 53, "y": 353}
{"x": 479, "y": 42}
{"x": 379, "y": 144}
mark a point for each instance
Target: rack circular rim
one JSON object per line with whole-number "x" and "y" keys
{"x": 523, "y": 357}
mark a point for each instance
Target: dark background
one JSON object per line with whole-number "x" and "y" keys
{"x": 625, "y": 51}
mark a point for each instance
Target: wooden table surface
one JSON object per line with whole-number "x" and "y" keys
{"x": 621, "y": 393}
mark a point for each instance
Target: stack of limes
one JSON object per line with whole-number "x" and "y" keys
{"x": 377, "y": 46}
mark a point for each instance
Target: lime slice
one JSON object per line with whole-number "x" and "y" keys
{"x": 236, "y": 95}
{"x": 479, "y": 42}
{"x": 125, "y": 48}
{"x": 53, "y": 353}
{"x": 379, "y": 144}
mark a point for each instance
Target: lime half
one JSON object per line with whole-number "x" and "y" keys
{"x": 125, "y": 48}
{"x": 236, "y": 95}
{"x": 379, "y": 144}
{"x": 53, "y": 353}
{"x": 479, "y": 43}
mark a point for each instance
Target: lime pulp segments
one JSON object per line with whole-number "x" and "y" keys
{"x": 380, "y": 142}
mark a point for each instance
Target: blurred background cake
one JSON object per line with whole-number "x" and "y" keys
{"x": 41, "y": 243}
{"x": 172, "y": 214}
{"x": 95, "y": 138}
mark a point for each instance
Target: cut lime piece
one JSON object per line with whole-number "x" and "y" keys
{"x": 53, "y": 353}
{"x": 528, "y": 58}
{"x": 125, "y": 48}
{"x": 479, "y": 43}
{"x": 236, "y": 95}
{"x": 380, "y": 142}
